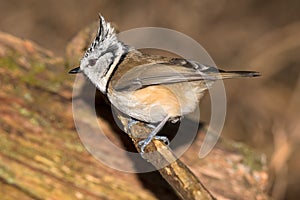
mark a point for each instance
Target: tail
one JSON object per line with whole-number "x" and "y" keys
{"x": 236, "y": 74}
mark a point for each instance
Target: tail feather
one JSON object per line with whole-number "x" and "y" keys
{"x": 237, "y": 74}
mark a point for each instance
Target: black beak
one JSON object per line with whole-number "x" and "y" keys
{"x": 75, "y": 70}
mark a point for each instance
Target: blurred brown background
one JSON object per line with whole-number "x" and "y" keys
{"x": 248, "y": 34}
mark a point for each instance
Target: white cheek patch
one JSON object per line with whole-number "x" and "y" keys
{"x": 103, "y": 64}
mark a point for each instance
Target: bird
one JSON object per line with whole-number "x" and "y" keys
{"x": 148, "y": 88}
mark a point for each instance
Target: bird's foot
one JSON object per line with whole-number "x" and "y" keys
{"x": 163, "y": 139}
{"x": 132, "y": 122}
{"x": 155, "y": 129}
{"x": 144, "y": 143}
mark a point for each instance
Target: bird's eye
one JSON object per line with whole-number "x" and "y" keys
{"x": 92, "y": 62}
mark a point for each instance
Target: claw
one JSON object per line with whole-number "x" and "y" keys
{"x": 131, "y": 122}
{"x": 143, "y": 143}
{"x": 162, "y": 138}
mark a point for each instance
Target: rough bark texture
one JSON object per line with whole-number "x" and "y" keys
{"x": 41, "y": 155}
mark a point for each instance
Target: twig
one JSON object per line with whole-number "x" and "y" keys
{"x": 175, "y": 172}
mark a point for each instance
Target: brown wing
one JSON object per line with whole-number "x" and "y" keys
{"x": 138, "y": 71}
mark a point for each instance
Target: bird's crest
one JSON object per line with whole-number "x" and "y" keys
{"x": 105, "y": 32}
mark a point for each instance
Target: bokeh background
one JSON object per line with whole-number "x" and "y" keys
{"x": 249, "y": 34}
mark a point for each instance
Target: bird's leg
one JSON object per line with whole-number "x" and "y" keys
{"x": 143, "y": 143}
{"x": 132, "y": 122}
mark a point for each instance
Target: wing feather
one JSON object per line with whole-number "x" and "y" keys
{"x": 176, "y": 70}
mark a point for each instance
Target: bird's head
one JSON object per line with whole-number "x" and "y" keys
{"x": 102, "y": 56}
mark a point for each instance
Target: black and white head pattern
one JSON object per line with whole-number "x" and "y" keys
{"x": 102, "y": 56}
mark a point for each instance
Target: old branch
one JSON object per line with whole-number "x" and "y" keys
{"x": 175, "y": 172}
